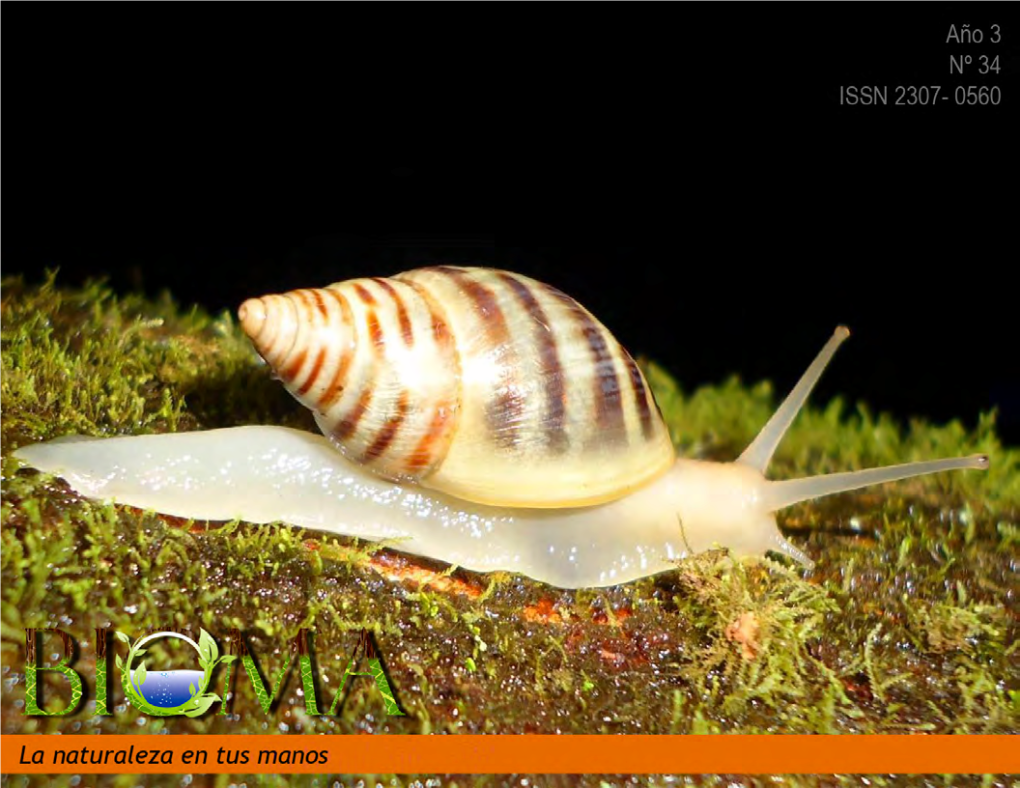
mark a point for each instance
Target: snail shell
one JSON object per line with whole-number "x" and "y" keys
{"x": 483, "y": 384}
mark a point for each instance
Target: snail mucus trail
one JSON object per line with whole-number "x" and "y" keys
{"x": 473, "y": 416}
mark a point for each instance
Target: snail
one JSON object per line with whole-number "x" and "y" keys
{"x": 474, "y": 416}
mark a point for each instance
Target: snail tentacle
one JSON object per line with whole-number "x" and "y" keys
{"x": 759, "y": 452}
{"x": 780, "y": 494}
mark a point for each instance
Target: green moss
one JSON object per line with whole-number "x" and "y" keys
{"x": 907, "y": 624}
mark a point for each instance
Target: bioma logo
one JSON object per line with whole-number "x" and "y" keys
{"x": 182, "y": 688}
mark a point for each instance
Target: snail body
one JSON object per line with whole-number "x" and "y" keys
{"x": 451, "y": 430}
{"x": 265, "y": 474}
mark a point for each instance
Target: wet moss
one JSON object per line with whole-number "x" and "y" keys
{"x": 907, "y": 624}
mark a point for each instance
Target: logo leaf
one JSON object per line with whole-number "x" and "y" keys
{"x": 207, "y": 649}
{"x": 201, "y": 705}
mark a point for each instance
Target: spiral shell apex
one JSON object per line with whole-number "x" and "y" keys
{"x": 480, "y": 383}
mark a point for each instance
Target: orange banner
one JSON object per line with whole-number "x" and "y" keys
{"x": 142, "y": 754}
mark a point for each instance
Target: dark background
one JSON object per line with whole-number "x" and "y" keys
{"x": 686, "y": 172}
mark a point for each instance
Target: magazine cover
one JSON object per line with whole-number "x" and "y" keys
{"x": 581, "y": 394}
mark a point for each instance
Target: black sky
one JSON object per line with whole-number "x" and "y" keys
{"x": 686, "y": 172}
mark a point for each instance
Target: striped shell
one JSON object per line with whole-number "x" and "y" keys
{"x": 480, "y": 383}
